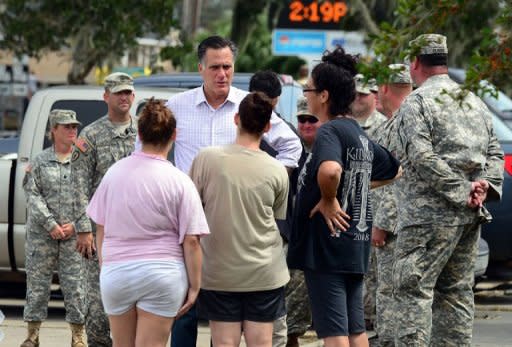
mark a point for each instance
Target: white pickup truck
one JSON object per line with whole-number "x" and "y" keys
{"x": 87, "y": 102}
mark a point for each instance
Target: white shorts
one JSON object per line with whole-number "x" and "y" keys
{"x": 155, "y": 286}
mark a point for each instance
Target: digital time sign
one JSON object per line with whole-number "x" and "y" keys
{"x": 313, "y": 14}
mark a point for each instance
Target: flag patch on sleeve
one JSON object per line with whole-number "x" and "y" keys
{"x": 83, "y": 145}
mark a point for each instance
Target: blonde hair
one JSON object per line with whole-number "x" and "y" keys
{"x": 49, "y": 133}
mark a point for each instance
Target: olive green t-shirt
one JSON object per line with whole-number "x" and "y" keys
{"x": 243, "y": 191}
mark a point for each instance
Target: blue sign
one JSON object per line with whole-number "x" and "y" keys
{"x": 294, "y": 42}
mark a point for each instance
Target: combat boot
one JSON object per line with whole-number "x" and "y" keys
{"x": 33, "y": 335}
{"x": 293, "y": 340}
{"x": 77, "y": 335}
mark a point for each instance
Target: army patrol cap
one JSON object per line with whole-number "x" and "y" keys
{"x": 430, "y": 44}
{"x": 400, "y": 74}
{"x": 118, "y": 81}
{"x": 373, "y": 85}
{"x": 302, "y": 107}
{"x": 63, "y": 117}
{"x": 365, "y": 87}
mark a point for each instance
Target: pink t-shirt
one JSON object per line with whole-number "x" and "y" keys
{"x": 147, "y": 207}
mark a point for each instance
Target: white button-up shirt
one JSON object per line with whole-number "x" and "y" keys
{"x": 199, "y": 125}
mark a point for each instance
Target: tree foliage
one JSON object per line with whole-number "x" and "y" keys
{"x": 470, "y": 26}
{"x": 94, "y": 30}
{"x": 248, "y": 28}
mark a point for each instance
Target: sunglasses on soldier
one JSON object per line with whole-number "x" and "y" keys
{"x": 310, "y": 119}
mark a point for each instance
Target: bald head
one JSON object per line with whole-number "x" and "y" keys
{"x": 392, "y": 95}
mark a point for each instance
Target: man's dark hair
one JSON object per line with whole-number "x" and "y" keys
{"x": 266, "y": 82}
{"x": 336, "y": 75}
{"x": 439, "y": 59}
{"x": 255, "y": 111}
{"x": 215, "y": 42}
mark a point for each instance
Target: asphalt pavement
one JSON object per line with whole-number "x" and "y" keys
{"x": 492, "y": 328}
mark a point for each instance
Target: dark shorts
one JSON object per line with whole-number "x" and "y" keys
{"x": 336, "y": 303}
{"x": 260, "y": 306}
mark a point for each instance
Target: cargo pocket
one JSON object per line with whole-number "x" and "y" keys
{"x": 406, "y": 274}
{"x": 408, "y": 337}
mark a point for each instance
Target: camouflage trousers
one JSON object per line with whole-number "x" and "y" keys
{"x": 279, "y": 333}
{"x": 96, "y": 323}
{"x": 298, "y": 317}
{"x": 370, "y": 288}
{"x": 43, "y": 256}
{"x": 297, "y": 304}
{"x": 432, "y": 285}
{"x": 385, "y": 316}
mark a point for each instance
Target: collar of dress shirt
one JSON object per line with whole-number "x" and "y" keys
{"x": 234, "y": 96}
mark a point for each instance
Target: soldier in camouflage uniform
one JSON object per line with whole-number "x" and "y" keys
{"x": 391, "y": 96}
{"x": 297, "y": 301}
{"x": 369, "y": 119}
{"x": 100, "y": 145}
{"x": 50, "y": 238}
{"x": 364, "y": 108}
{"x": 452, "y": 164}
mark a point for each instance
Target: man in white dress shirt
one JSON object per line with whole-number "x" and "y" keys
{"x": 205, "y": 114}
{"x": 205, "y": 117}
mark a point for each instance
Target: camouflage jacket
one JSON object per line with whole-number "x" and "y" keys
{"x": 98, "y": 146}
{"x": 444, "y": 144}
{"x": 49, "y": 193}
{"x": 385, "y": 211}
{"x": 373, "y": 126}
{"x": 372, "y": 123}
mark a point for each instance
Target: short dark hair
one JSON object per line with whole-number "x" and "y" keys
{"x": 215, "y": 42}
{"x": 336, "y": 75}
{"x": 438, "y": 59}
{"x": 255, "y": 111}
{"x": 156, "y": 123}
{"x": 267, "y": 82}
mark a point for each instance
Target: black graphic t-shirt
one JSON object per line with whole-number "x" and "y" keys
{"x": 311, "y": 244}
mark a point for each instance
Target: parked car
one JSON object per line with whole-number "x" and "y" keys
{"x": 482, "y": 258}
{"x": 497, "y": 233}
{"x": 501, "y": 105}
{"x": 9, "y": 146}
{"x": 287, "y": 106}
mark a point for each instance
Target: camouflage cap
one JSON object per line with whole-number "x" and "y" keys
{"x": 364, "y": 87}
{"x": 118, "y": 81}
{"x": 63, "y": 117}
{"x": 373, "y": 85}
{"x": 400, "y": 74}
{"x": 302, "y": 107}
{"x": 429, "y": 44}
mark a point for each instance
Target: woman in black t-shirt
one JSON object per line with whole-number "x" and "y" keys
{"x": 330, "y": 239}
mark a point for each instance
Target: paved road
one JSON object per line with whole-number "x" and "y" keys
{"x": 493, "y": 321}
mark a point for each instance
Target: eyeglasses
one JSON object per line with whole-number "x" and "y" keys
{"x": 307, "y": 88}
{"x": 309, "y": 119}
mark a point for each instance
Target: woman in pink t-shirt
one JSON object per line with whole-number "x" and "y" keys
{"x": 149, "y": 218}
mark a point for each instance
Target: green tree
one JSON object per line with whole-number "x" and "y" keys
{"x": 246, "y": 19}
{"x": 478, "y": 32}
{"x": 94, "y": 30}
{"x": 251, "y": 29}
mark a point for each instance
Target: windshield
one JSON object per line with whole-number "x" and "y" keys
{"x": 502, "y": 131}
{"x": 502, "y": 103}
